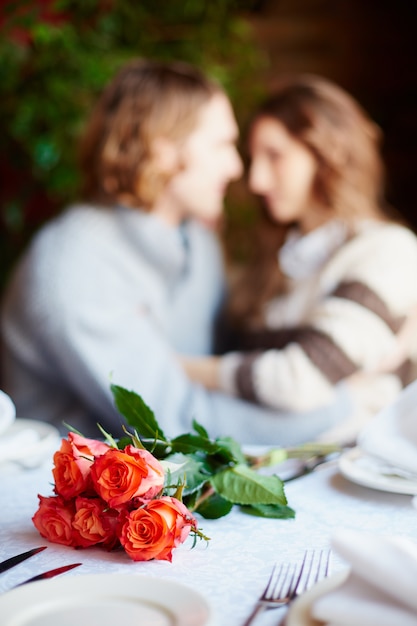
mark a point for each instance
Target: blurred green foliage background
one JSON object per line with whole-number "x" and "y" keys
{"x": 55, "y": 57}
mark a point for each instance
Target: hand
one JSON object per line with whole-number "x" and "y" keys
{"x": 203, "y": 370}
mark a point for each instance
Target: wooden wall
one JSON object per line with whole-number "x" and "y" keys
{"x": 367, "y": 46}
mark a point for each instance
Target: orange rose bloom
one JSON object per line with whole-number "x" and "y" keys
{"x": 153, "y": 531}
{"x": 120, "y": 475}
{"x": 84, "y": 447}
{"x": 72, "y": 464}
{"x": 53, "y": 519}
{"x": 94, "y": 523}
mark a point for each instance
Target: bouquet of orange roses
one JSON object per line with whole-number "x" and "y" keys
{"x": 139, "y": 491}
{"x": 110, "y": 497}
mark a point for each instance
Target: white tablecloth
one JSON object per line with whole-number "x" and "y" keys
{"x": 233, "y": 569}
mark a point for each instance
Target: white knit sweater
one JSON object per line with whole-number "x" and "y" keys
{"x": 347, "y": 297}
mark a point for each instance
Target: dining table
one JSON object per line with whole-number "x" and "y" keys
{"x": 232, "y": 568}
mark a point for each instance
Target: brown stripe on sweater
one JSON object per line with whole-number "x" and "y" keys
{"x": 404, "y": 372}
{"x": 268, "y": 338}
{"x": 244, "y": 378}
{"x": 330, "y": 359}
{"x": 361, "y": 294}
{"x": 327, "y": 356}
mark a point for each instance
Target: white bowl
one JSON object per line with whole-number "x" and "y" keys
{"x": 7, "y": 412}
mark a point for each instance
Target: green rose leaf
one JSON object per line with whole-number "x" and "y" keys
{"x": 200, "y": 430}
{"x": 137, "y": 413}
{"x": 190, "y": 468}
{"x": 230, "y": 450}
{"x": 123, "y": 442}
{"x": 275, "y": 511}
{"x": 215, "y": 507}
{"x": 190, "y": 443}
{"x": 242, "y": 485}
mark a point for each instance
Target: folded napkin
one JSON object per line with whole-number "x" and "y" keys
{"x": 7, "y": 411}
{"x": 391, "y": 436}
{"x": 16, "y": 443}
{"x": 380, "y": 588}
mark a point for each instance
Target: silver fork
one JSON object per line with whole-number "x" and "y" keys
{"x": 288, "y": 581}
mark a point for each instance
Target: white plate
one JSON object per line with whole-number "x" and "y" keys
{"x": 28, "y": 442}
{"x": 360, "y": 468}
{"x": 299, "y": 613}
{"x": 104, "y": 600}
{"x": 7, "y": 411}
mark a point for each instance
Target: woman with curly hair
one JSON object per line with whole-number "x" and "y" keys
{"x": 334, "y": 280}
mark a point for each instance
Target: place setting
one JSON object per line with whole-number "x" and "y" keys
{"x": 103, "y": 599}
{"x": 375, "y": 588}
{"x": 100, "y": 598}
{"x": 385, "y": 457}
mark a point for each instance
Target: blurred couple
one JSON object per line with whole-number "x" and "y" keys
{"x": 127, "y": 286}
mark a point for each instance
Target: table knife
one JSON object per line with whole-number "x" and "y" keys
{"x": 307, "y": 467}
{"x": 15, "y": 560}
{"x": 50, "y": 573}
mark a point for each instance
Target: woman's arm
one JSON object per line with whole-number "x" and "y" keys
{"x": 353, "y": 327}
